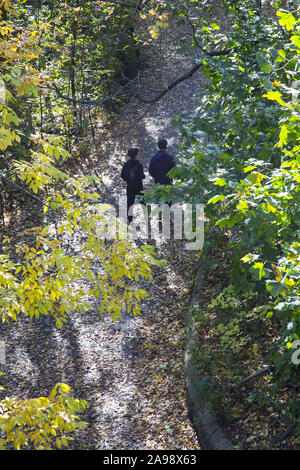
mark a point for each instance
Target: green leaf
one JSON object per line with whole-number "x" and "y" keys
{"x": 283, "y": 136}
{"x": 242, "y": 206}
{"x": 276, "y": 96}
{"x": 220, "y": 182}
{"x": 216, "y": 199}
{"x": 249, "y": 168}
{"x": 264, "y": 64}
{"x": 286, "y": 19}
{"x": 276, "y": 288}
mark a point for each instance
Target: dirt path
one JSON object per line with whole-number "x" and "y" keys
{"x": 131, "y": 372}
{"x": 144, "y": 406}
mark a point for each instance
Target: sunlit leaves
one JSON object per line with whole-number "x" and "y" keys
{"x": 41, "y": 423}
{"x": 48, "y": 281}
{"x": 6, "y": 5}
{"x": 287, "y": 19}
{"x": 276, "y": 96}
{"x": 215, "y": 199}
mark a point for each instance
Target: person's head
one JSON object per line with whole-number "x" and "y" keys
{"x": 133, "y": 153}
{"x": 162, "y": 144}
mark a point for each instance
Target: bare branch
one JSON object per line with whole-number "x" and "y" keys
{"x": 139, "y": 6}
{"x": 185, "y": 76}
{"x": 172, "y": 85}
{"x": 22, "y": 189}
{"x": 250, "y": 377}
{"x": 90, "y": 103}
{"x": 124, "y": 4}
{"x": 285, "y": 434}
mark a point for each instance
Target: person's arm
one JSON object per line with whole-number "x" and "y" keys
{"x": 142, "y": 174}
{"x": 172, "y": 163}
{"x": 153, "y": 168}
{"x": 124, "y": 173}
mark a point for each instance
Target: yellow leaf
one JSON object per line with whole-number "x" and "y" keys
{"x": 277, "y": 273}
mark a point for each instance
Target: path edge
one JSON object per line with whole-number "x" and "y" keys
{"x": 209, "y": 432}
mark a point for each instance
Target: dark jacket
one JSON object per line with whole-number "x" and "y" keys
{"x": 160, "y": 164}
{"x": 133, "y": 174}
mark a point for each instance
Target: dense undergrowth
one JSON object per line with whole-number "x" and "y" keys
{"x": 239, "y": 156}
{"x": 236, "y": 344}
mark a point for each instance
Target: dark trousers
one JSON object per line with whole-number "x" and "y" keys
{"x": 131, "y": 194}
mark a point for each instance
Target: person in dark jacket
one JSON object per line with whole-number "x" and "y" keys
{"x": 161, "y": 163}
{"x": 133, "y": 174}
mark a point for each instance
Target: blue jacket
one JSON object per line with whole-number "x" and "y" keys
{"x": 160, "y": 164}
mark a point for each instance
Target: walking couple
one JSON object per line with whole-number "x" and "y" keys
{"x": 133, "y": 172}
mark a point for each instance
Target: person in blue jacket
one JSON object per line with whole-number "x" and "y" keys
{"x": 161, "y": 163}
{"x": 133, "y": 174}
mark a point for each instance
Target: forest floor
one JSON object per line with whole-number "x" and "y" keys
{"x": 131, "y": 372}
